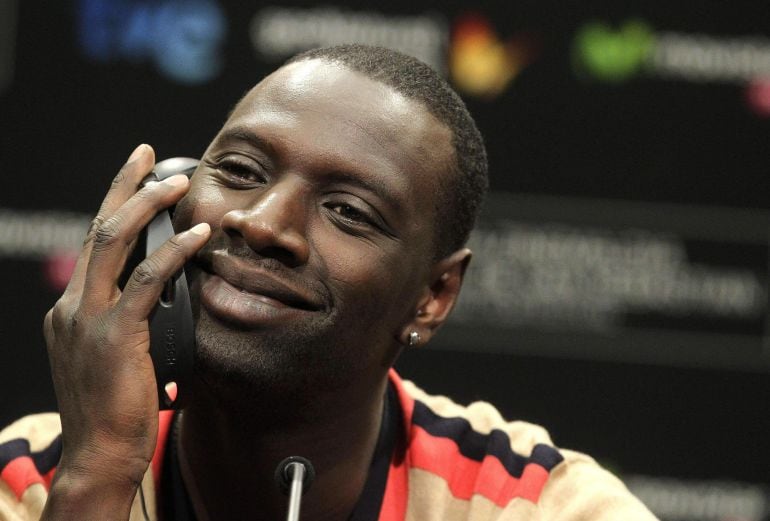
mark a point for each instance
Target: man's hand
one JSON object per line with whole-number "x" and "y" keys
{"x": 98, "y": 345}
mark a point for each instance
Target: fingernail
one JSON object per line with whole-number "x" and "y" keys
{"x": 177, "y": 180}
{"x": 137, "y": 153}
{"x": 201, "y": 229}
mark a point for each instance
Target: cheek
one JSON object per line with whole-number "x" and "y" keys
{"x": 203, "y": 203}
{"x": 367, "y": 280}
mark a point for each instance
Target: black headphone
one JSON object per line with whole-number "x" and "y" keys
{"x": 172, "y": 332}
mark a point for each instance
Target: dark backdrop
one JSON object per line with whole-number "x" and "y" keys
{"x": 614, "y": 129}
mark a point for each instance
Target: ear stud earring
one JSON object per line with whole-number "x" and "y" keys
{"x": 414, "y": 339}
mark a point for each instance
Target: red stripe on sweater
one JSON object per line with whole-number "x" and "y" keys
{"x": 405, "y": 400}
{"x": 20, "y": 474}
{"x": 397, "y": 487}
{"x": 532, "y": 482}
{"x": 164, "y": 424}
{"x": 48, "y": 477}
{"x": 466, "y": 477}
{"x": 396, "y": 492}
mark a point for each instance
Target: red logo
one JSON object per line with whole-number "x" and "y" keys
{"x": 758, "y": 96}
{"x": 480, "y": 62}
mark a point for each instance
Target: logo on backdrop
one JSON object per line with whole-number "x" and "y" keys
{"x": 279, "y": 32}
{"x": 7, "y": 42}
{"x": 615, "y": 55}
{"x": 481, "y": 63}
{"x": 694, "y": 500}
{"x": 183, "y": 39}
{"x": 53, "y": 238}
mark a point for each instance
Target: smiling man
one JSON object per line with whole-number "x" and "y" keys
{"x": 326, "y": 226}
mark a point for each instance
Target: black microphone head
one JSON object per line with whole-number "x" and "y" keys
{"x": 283, "y": 474}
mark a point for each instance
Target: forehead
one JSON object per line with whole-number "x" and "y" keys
{"x": 335, "y": 112}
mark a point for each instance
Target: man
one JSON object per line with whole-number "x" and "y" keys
{"x": 325, "y": 229}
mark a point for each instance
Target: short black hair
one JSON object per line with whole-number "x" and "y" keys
{"x": 462, "y": 193}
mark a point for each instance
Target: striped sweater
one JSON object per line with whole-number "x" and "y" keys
{"x": 450, "y": 463}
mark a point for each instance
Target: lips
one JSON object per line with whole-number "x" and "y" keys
{"x": 247, "y": 293}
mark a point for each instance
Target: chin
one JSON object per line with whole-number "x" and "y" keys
{"x": 246, "y": 365}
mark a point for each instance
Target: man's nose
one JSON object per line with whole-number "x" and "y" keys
{"x": 274, "y": 224}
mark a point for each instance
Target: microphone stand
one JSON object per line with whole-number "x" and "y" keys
{"x": 294, "y": 476}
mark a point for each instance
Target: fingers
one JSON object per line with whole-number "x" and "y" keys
{"x": 123, "y": 186}
{"x": 125, "y": 183}
{"x": 148, "y": 279}
{"x": 113, "y": 238}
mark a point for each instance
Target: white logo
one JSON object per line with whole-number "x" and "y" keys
{"x": 702, "y": 58}
{"x": 36, "y": 235}
{"x": 278, "y": 33}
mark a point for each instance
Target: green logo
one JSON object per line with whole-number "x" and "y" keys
{"x": 613, "y": 55}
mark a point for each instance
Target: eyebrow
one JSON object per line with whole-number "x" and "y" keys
{"x": 378, "y": 187}
{"x": 245, "y": 135}
{"x": 366, "y": 182}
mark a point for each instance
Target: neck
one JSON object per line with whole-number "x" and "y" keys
{"x": 228, "y": 459}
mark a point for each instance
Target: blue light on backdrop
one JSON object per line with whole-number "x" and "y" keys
{"x": 182, "y": 39}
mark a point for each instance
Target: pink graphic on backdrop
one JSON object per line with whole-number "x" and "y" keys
{"x": 758, "y": 96}
{"x": 58, "y": 268}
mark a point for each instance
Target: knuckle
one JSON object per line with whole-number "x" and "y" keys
{"x": 96, "y": 222}
{"x": 120, "y": 177}
{"x": 147, "y": 197}
{"x": 107, "y": 233}
{"x": 113, "y": 337}
{"x": 146, "y": 193}
{"x": 60, "y": 314}
{"x": 175, "y": 245}
{"x": 48, "y": 323}
{"x": 65, "y": 318}
{"x": 75, "y": 320}
{"x": 146, "y": 273}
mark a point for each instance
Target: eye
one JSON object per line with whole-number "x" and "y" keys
{"x": 239, "y": 171}
{"x": 353, "y": 218}
{"x": 349, "y": 213}
{"x": 357, "y": 217}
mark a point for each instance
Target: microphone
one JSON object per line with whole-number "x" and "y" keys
{"x": 294, "y": 475}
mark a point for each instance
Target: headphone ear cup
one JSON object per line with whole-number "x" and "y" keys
{"x": 172, "y": 331}
{"x": 172, "y": 166}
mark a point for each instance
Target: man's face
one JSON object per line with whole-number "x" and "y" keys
{"x": 321, "y": 192}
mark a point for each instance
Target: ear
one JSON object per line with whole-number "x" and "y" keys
{"x": 438, "y": 299}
